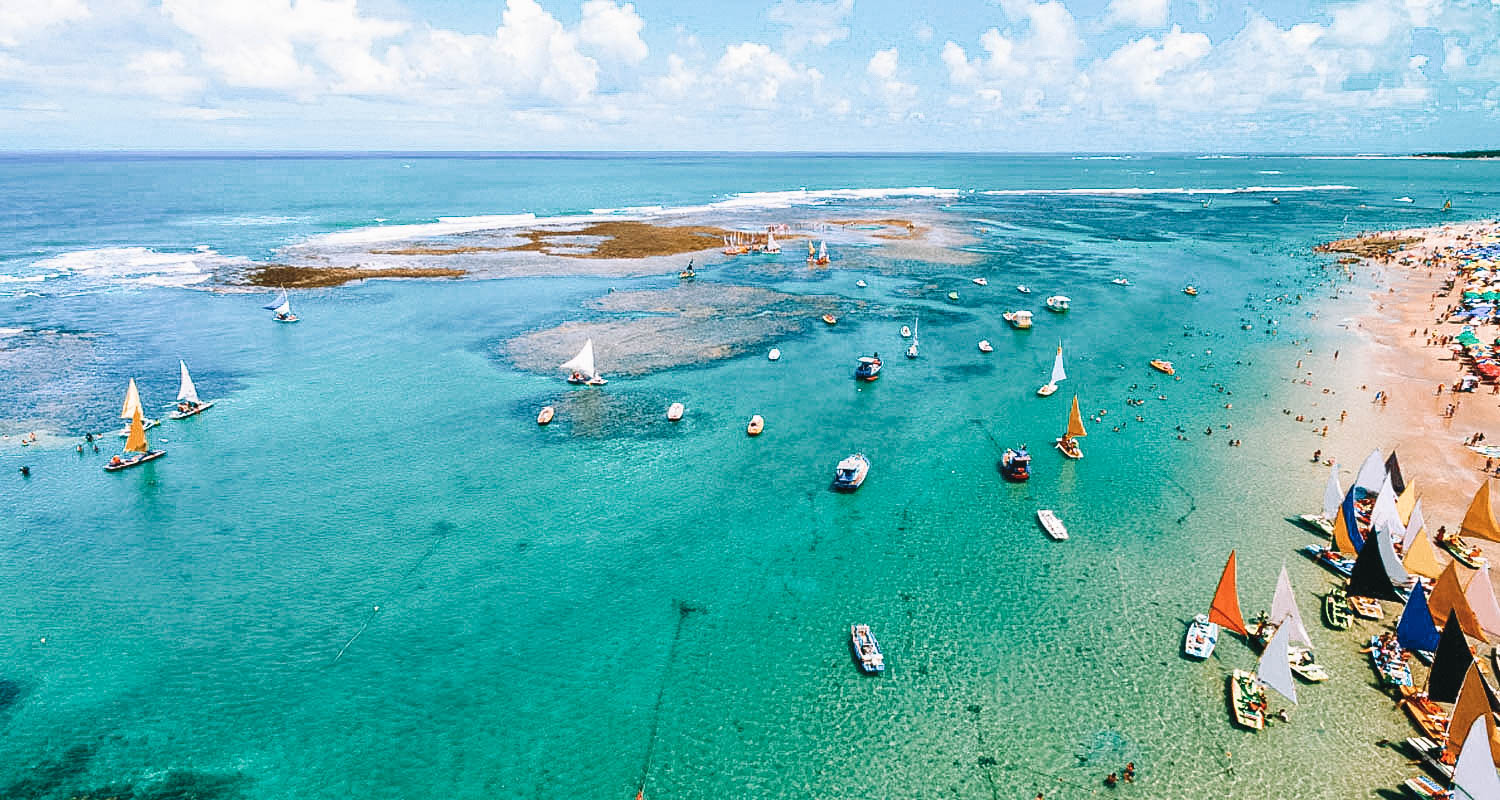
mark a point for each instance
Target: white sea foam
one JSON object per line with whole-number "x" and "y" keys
{"x": 11, "y": 332}
{"x": 746, "y": 201}
{"x": 1102, "y": 158}
{"x": 1222, "y": 157}
{"x": 23, "y": 278}
{"x": 1135, "y": 190}
{"x": 141, "y": 265}
{"x": 1268, "y": 172}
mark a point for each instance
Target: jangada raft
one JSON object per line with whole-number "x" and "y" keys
{"x": 137, "y": 449}
{"x": 1068, "y": 442}
{"x": 188, "y": 403}
{"x": 580, "y": 368}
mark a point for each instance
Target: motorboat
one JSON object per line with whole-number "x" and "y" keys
{"x": 981, "y": 282}
{"x": 830, "y": 319}
{"x": 866, "y": 650}
{"x": 1058, "y": 303}
{"x": 953, "y": 295}
{"x": 1052, "y": 525}
{"x": 675, "y": 411}
{"x": 851, "y": 472}
{"x": 1201, "y": 638}
{"x": 757, "y": 424}
{"x": 869, "y": 368}
{"x": 545, "y": 415}
{"x": 861, "y": 283}
{"x": 1015, "y": 464}
{"x": 1020, "y": 320}
{"x": 1120, "y": 282}
{"x": 1190, "y": 290}
{"x": 774, "y": 355}
{"x": 905, "y": 332}
{"x": 1161, "y": 365}
{"x": 985, "y": 346}
{"x": 1023, "y": 289}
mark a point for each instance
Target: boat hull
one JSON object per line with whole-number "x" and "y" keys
{"x": 135, "y": 462}
{"x": 1069, "y": 449}
{"x": 1247, "y": 701}
{"x": 1047, "y": 391}
{"x": 756, "y": 426}
{"x": 866, "y": 651}
{"x": 199, "y": 409}
{"x": 544, "y": 416}
{"x": 1052, "y": 525}
{"x": 851, "y": 473}
{"x": 1202, "y": 636}
{"x": 675, "y": 412}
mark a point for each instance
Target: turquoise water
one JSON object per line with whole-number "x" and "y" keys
{"x": 558, "y": 604}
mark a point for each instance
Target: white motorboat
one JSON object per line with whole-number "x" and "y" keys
{"x": 981, "y": 282}
{"x": 1120, "y": 282}
{"x": 1202, "y": 635}
{"x": 850, "y": 473}
{"x": 1052, "y": 525}
{"x": 866, "y": 650}
{"x": 1020, "y": 320}
{"x": 774, "y": 355}
{"x": 985, "y": 346}
{"x": 1023, "y": 289}
{"x": 675, "y": 411}
{"x": 1058, "y": 303}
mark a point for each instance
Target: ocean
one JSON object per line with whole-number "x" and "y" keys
{"x": 368, "y": 572}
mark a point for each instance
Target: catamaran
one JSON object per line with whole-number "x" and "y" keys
{"x": 581, "y": 367}
{"x": 137, "y": 449}
{"x": 282, "y": 307}
{"x": 1068, "y": 443}
{"x": 1057, "y": 375}
{"x": 132, "y": 408}
{"x": 188, "y": 403}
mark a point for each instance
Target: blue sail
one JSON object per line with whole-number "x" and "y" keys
{"x": 1416, "y": 631}
{"x": 1351, "y": 523}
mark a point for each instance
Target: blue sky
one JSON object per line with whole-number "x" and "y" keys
{"x": 1020, "y": 75}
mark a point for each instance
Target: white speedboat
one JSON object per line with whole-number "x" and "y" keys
{"x": 985, "y": 346}
{"x": 1023, "y": 289}
{"x": 866, "y": 650}
{"x": 953, "y": 295}
{"x": 1120, "y": 282}
{"x": 861, "y": 283}
{"x": 1052, "y": 525}
{"x": 981, "y": 282}
{"x": 1058, "y": 303}
{"x": 1202, "y": 635}
{"x": 545, "y": 415}
{"x": 905, "y": 332}
{"x": 851, "y": 472}
{"x": 675, "y": 411}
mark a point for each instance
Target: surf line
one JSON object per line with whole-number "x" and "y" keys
{"x": 683, "y": 610}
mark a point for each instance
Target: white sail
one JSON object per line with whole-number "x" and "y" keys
{"x": 188, "y": 391}
{"x": 1371, "y": 473}
{"x": 1058, "y": 374}
{"x": 583, "y": 363}
{"x": 1275, "y": 668}
{"x": 822, "y": 251}
{"x": 1393, "y": 568}
{"x": 1284, "y": 610}
{"x": 285, "y": 309}
{"x": 1481, "y": 597}
{"x": 913, "y": 330}
{"x": 1384, "y": 517}
{"x": 1333, "y": 494}
{"x": 1414, "y": 527}
{"x": 771, "y": 245}
{"x": 1474, "y": 775}
{"x": 281, "y": 305}
{"x": 132, "y": 404}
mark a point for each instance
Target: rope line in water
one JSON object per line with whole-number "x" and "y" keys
{"x": 443, "y": 529}
{"x": 683, "y": 610}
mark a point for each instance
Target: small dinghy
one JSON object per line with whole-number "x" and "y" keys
{"x": 1052, "y": 525}
{"x": 905, "y": 332}
{"x": 1015, "y": 464}
{"x": 830, "y": 319}
{"x": 985, "y": 346}
{"x": 869, "y": 368}
{"x": 851, "y": 472}
{"x": 1201, "y": 638}
{"x": 866, "y": 650}
{"x": 861, "y": 283}
{"x": 1120, "y": 282}
{"x": 981, "y": 282}
{"x": 774, "y": 355}
{"x": 675, "y": 411}
{"x": 757, "y": 424}
{"x": 1023, "y": 289}
{"x": 1190, "y": 290}
{"x": 953, "y": 295}
{"x": 1161, "y": 365}
{"x": 545, "y": 415}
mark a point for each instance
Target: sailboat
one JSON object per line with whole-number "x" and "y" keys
{"x": 1333, "y": 495}
{"x": 1067, "y": 443}
{"x": 581, "y": 367}
{"x": 911, "y": 350}
{"x": 812, "y": 253}
{"x": 822, "y": 253}
{"x": 771, "y": 244}
{"x": 188, "y": 403}
{"x": 132, "y": 408}
{"x": 1057, "y": 375}
{"x": 283, "y": 308}
{"x": 1447, "y": 205}
{"x": 1203, "y": 631}
{"x": 137, "y": 449}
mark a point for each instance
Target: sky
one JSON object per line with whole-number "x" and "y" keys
{"x": 806, "y": 75}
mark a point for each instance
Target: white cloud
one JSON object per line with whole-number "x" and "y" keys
{"x": 613, "y": 31}
{"x": 885, "y": 67}
{"x": 811, "y": 23}
{"x": 22, "y": 18}
{"x": 1028, "y": 66}
{"x": 1137, "y": 13}
{"x": 163, "y": 73}
{"x": 201, "y": 114}
{"x": 1137, "y": 69}
{"x": 755, "y": 74}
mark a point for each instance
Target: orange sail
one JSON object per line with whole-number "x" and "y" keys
{"x": 1075, "y": 421}
{"x": 1420, "y": 558}
{"x": 1480, "y": 521}
{"x": 1448, "y": 598}
{"x": 136, "y": 442}
{"x": 1341, "y": 541}
{"x": 1473, "y": 702}
{"x": 1226, "y": 607}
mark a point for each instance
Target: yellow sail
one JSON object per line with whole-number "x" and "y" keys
{"x": 1480, "y": 521}
{"x": 132, "y": 405}
{"x": 1075, "y": 421}
{"x": 1421, "y": 558}
{"x": 1473, "y": 703}
{"x": 1341, "y": 541}
{"x": 1407, "y": 501}
{"x": 1447, "y": 598}
{"x": 137, "y": 443}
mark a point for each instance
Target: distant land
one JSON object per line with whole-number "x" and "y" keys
{"x": 1464, "y": 154}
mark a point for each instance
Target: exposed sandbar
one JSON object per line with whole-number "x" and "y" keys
{"x": 318, "y": 277}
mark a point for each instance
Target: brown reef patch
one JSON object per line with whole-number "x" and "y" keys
{"x": 291, "y": 277}
{"x": 623, "y": 239}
